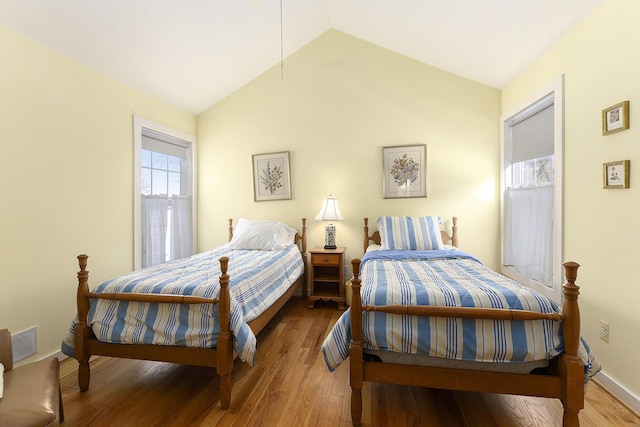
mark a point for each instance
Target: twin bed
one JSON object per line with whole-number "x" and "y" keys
{"x": 426, "y": 314}
{"x": 203, "y": 310}
{"x": 422, "y": 313}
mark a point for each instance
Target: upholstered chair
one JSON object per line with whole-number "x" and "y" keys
{"x": 31, "y": 393}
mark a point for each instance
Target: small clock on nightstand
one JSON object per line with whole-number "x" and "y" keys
{"x": 327, "y": 275}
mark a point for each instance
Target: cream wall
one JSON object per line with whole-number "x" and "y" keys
{"x": 341, "y": 100}
{"x": 601, "y": 64}
{"x": 65, "y": 183}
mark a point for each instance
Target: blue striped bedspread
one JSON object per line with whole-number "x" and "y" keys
{"x": 257, "y": 280}
{"x": 448, "y": 278}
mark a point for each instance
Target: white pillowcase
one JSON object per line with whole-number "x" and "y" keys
{"x": 373, "y": 247}
{"x": 1, "y": 380}
{"x": 262, "y": 235}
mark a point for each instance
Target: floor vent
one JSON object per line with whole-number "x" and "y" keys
{"x": 24, "y": 343}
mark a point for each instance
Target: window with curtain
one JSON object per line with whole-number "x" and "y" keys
{"x": 528, "y": 197}
{"x": 166, "y": 206}
{"x": 532, "y": 195}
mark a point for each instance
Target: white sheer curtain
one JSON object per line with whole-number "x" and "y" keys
{"x": 181, "y": 238}
{"x": 154, "y": 226}
{"x": 528, "y": 232}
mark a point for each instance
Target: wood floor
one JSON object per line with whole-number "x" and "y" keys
{"x": 291, "y": 386}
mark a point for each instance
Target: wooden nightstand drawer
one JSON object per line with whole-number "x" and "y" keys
{"x": 326, "y": 259}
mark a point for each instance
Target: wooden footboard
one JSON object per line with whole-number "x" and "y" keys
{"x": 565, "y": 383}
{"x": 221, "y": 357}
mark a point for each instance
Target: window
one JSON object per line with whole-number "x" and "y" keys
{"x": 164, "y": 189}
{"x": 532, "y": 188}
{"x": 160, "y": 173}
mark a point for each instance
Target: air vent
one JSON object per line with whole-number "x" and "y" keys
{"x": 24, "y": 343}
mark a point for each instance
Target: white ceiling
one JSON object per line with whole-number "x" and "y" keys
{"x": 193, "y": 53}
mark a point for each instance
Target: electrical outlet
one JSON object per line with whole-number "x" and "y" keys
{"x": 604, "y": 331}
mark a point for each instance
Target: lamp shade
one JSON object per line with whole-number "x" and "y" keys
{"x": 329, "y": 210}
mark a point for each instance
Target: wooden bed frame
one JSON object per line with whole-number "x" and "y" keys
{"x": 563, "y": 379}
{"x": 221, "y": 357}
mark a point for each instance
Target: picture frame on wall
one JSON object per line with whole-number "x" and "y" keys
{"x": 615, "y": 118}
{"x": 616, "y": 174}
{"x": 271, "y": 176}
{"x": 404, "y": 171}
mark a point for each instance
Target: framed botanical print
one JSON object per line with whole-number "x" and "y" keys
{"x": 615, "y": 174}
{"x": 271, "y": 176}
{"x": 404, "y": 171}
{"x": 615, "y": 118}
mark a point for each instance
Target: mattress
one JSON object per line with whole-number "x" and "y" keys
{"x": 441, "y": 362}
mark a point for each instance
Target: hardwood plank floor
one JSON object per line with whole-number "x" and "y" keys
{"x": 291, "y": 386}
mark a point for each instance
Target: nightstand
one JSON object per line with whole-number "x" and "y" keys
{"x": 327, "y": 275}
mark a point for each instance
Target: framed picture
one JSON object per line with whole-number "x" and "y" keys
{"x": 615, "y": 174}
{"x": 615, "y": 118}
{"x": 271, "y": 178}
{"x": 404, "y": 171}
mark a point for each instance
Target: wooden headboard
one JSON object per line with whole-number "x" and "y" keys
{"x": 446, "y": 237}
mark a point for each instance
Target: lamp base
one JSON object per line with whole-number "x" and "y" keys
{"x": 330, "y": 236}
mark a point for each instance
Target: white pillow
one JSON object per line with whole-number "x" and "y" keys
{"x": 372, "y": 247}
{"x": 1, "y": 379}
{"x": 410, "y": 233}
{"x": 262, "y": 235}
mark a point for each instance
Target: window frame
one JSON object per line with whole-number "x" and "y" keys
{"x": 555, "y": 89}
{"x": 139, "y": 126}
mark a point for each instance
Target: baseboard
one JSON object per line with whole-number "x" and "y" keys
{"x": 627, "y": 398}
{"x": 59, "y": 355}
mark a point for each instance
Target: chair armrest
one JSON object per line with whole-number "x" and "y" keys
{"x": 6, "y": 352}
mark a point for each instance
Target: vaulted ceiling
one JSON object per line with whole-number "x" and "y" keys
{"x": 193, "y": 53}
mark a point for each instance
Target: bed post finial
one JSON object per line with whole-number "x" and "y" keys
{"x": 230, "y": 230}
{"x": 571, "y": 271}
{"x": 83, "y": 289}
{"x": 224, "y": 265}
{"x": 82, "y": 261}
{"x": 570, "y": 309}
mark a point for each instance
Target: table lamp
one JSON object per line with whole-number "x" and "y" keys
{"x": 329, "y": 212}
